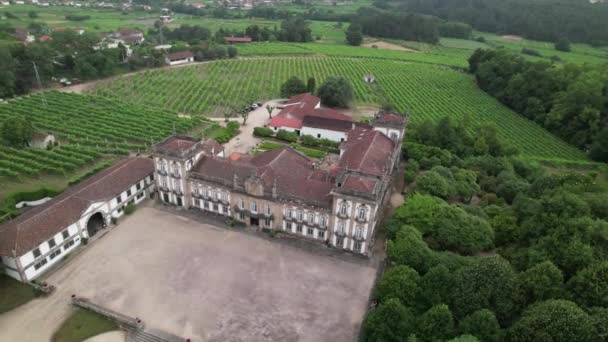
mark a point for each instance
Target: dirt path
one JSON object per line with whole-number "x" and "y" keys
{"x": 244, "y": 142}
{"x": 380, "y": 44}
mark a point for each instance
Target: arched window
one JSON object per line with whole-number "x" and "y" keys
{"x": 311, "y": 218}
{"x": 323, "y": 221}
{"x": 343, "y": 208}
{"x": 359, "y": 232}
{"x": 162, "y": 165}
{"x": 362, "y": 213}
{"x": 300, "y": 215}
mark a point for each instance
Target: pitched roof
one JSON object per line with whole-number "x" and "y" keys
{"x": 40, "y": 223}
{"x": 238, "y": 39}
{"x": 288, "y": 170}
{"x": 392, "y": 119}
{"x": 177, "y": 143}
{"x": 301, "y": 106}
{"x": 279, "y": 121}
{"x": 359, "y": 183}
{"x": 327, "y": 123}
{"x": 367, "y": 151}
{"x": 212, "y": 147}
{"x": 176, "y": 56}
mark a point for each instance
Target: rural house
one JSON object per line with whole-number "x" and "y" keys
{"x": 178, "y": 58}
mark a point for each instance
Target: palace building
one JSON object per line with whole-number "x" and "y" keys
{"x": 337, "y": 201}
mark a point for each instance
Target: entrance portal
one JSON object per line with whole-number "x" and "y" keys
{"x": 95, "y": 224}
{"x": 254, "y": 221}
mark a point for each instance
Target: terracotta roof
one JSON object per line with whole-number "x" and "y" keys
{"x": 177, "y": 143}
{"x": 391, "y": 119}
{"x": 176, "y": 56}
{"x": 300, "y": 106}
{"x": 286, "y": 168}
{"x": 45, "y": 38}
{"x": 40, "y": 223}
{"x": 212, "y": 147}
{"x": 359, "y": 183}
{"x": 327, "y": 123}
{"x": 238, "y": 39}
{"x": 279, "y": 121}
{"x": 367, "y": 151}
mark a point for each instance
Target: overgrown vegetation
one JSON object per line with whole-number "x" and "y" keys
{"x": 514, "y": 254}
{"x": 570, "y": 101}
{"x": 8, "y": 209}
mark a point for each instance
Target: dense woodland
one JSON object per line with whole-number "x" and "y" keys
{"x": 546, "y": 20}
{"x": 570, "y": 101}
{"x": 490, "y": 247}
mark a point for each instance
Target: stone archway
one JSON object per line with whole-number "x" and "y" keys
{"x": 95, "y": 223}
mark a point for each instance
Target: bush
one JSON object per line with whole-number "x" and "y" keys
{"x": 263, "y": 132}
{"x": 309, "y": 140}
{"x": 130, "y": 209}
{"x": 287, "y": 136}
{"x": 75, "y": 17}
{"x": 336, "y": 92}
{"x": 530, "y": 52}
{"x": 233, "y": 126}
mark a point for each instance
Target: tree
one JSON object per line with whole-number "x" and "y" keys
{"x": 483, "y": 325}
{"x": 408, "y": 248}
{"x": 311, "y": 85}
{"x": 489, "y": 283}
{"x": 589, "y": 287}
{"x": 562, "y": 44}
{"x": 269, "y": 109}
{"x": 232, "y": 52}
{"x": 436, "y": 286}
{"x": 7, "y": 75}
{"x": 336, "y": 92}
{"x": 32, "y": 14}
{"x": 599, "y": 318}
{"x": 292, "y": 86}
{"x": 295, "y": 29}
{"x": 354, "y": 35}
{"x": 464, "y": 338}
{"x": 432, "y": 183}
{"x": 17, "y": 131}
{"x": 541, "y": 282}
{"x": 391, "y": 321}
{"x": 599, "y": 147}
{"x": 553, "y": 320}
{"x": 399, "y": 282}
{"x": 436, "y": 324}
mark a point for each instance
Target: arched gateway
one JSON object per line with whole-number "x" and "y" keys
{"x": 95, "y": 223}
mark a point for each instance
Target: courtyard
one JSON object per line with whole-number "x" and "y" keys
{"x": 205, "y": 282}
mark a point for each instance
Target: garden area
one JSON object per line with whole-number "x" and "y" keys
{"x": 81, "y": 325}
{"x": 306, "y": 144}
{"x": 14, "y": 293}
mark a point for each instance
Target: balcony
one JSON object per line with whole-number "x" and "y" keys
{"x": 342, "y": 215}
{"x": 161, "y": 172}
{"x": 340, "y": 233}
{"x": 361, "y": 219}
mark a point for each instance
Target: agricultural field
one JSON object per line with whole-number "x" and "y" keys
{"x": 88, "y": 128}
{"x": 102, "y": 20}
{"x": 425, "y": 91}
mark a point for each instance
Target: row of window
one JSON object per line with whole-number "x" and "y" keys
{"x": 51, "y": 243}
{"x": 299, "y": 228}
{"x": 310, "y": 217}
{"x": 253, "y": 207}
{"x": 208, "y": 192}
{"x": 138, "y": 187}
{"x": 361, "y": 211}
{"x": 210, "y": 206}
{"x": 53, "y": 255}
{"x": 162, "y": 166}
{"x": 342, "y": 229}
{"x": 356, "y": 246}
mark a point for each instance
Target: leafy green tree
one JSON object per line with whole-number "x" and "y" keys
{"x": 464, "y": 338}
{"x": 399, "y": 282}
{"x": 354, "y": 35}
{"x": 489, "y": 283}
{"x": 32, "y": 14}
{"x": 483, "y": 325}
{"x": 432, "y": 183}
{"x": 553, "y": 320}
{"x": 336, "y": 92}
{"x": 599, "y": 318}
{"x": 295, "y": 29}
{"x": 408, "y": 248}
{"x": 391, "y": 321}
{"x": 436, "y": 286}
{"x": 541, "y": 282}
{"x": 292, "y": 86}
{"x": 599, "y": 147}
{"x": 311, "y": 85}
{"x": 562, "y": 44}
{"x": 437, "y": 324}
{"x": 7, "y": 75}
{"x": 232, "y": 52}
{"x": 589, "y": 287}
{"x": 17, "y": 131}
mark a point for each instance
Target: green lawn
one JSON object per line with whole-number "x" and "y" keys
{"x": 81, "y": 325}
{"x": 13, "y": 293}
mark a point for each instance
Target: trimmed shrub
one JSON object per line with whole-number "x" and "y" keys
{"x": 287, "y": 136}
{"x": 263, "y": 132}
{"x": 130, "y": 209}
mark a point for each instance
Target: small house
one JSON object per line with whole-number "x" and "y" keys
{"x": 42, "y": 140}
{"x": 178, "y": 58}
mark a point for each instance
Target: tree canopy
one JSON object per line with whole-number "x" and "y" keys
{"x": 336, "y": 92}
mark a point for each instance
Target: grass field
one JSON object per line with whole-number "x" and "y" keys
{"x": 423, "y": 90}
{"x": 13, "y": 293}
{"x": 81, "y": 325}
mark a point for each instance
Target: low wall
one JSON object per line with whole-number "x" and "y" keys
{"x": 32, "y": 203}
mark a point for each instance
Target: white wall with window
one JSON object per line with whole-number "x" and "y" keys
{"x": 321, "y": 133}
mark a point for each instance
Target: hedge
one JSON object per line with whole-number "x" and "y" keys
{"x": 287, "y": 136}
{"x": 263, "y": 132}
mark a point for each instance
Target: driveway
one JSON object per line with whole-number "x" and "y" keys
{"x": 244, "y": 142}
{"x": 204, "y": 282}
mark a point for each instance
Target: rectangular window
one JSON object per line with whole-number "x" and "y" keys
{"x": 215, "y": 207}
{"x": 340, "y": 241}
{"x": 36, "y": 253}
{"x": 321, "y": 235}
{"x": 309, "y": 231}
{"x": 40, "y": 264}
{"x": 207, "y": 205}
{"x": 241, "y": 216}
{"x": 300, "y": 215}
{"x": 242, "y": 204}
{"x": 138, "y": 186}
{"x": 267, "y": 210}
{"x": 267, "y": 222}
{"x": 52, "y": 243}
{"x": 119, "y": 199}
{"x": 221, "y": 211}
{"x": 323, "y": 221}
{"x": 54, "y": 254}
{"x": 128, "y": 192}
{"x": 311, "y": 218}
{"x": 65, "y": 234}
{"x": 357, "y": 247}
{"x": 299, "y": 228}
{"x": 254, "y": 207}
{"x": 341, "y": 227}
{"x": 68, "y": 244}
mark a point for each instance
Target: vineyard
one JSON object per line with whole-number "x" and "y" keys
{"x": 88, "y": 127}
{"x": 425, "y": 91}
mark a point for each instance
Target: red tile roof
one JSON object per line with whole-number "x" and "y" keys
{"x": 301, "y": 106}
{"x": 279, "y": 121}
{"x": 176, "y": 56}
{"x": 40, "y": 223}
{"x": 367, "y": 151}
{"x": 177, "y": 143}
{"x": 314, "y": 121}
{"x": 359, "y": 183}
{"x": 238, "y": 39}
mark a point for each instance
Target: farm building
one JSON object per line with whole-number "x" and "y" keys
{"x": 37, "y": 239}
{"x": 177, "y": 58}
{"x": 237, "y": 40}
{"x": 131, "y": 36}
{"x": 24, "y": 36}
{"x": 42, "y": 140}
{"x": 303, "y": 114}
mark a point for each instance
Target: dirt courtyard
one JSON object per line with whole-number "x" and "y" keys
{"x": 211, "y": 284}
